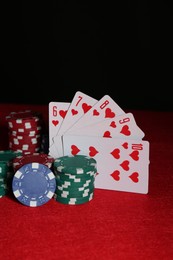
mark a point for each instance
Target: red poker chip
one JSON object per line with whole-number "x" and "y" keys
{"x": 22, "y": 115}
{"x": 42, "y": 158}
{"x": 31, "y": 132}
{"x": 26, "y": 120}
{"x": 24, "y": 139}
{"x": 25, "y": 147}
{"x": 26, "y": 151}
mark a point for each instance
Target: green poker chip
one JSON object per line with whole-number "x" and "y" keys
{"x": 74, "y": 188}
{"x": 3, "y": 169}
{"x": 3, "y": 191}
{"x": 75, "y": 178}
{"x": 74, "y": 184}
{"x": 8, "y": 155}
{"x": 72, "y": 193}
{"x": 78, "y": 164}
{"x": 74, "y": 200}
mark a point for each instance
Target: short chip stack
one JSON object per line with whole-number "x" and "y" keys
{"x": 42, "y": 158}
{"x": 75, "y": 176}
{"x": 25, "y": 130}
{"x": 3, "y": 178}
{"x": 6, "y": 170}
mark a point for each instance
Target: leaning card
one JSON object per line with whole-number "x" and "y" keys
{"x": 123, "y": 126}
{"x": 123, "y": 165}
{"x": 106, "y": 107}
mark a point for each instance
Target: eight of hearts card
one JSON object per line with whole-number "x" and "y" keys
{"x": 102, "y": 130}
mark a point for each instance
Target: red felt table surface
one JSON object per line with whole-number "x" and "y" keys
{"x": 114, "y": 225}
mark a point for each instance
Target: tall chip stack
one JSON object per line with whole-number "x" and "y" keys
{"x": 25, "y": 131}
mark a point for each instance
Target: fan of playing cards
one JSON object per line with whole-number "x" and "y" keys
{"x": 102, "y": 130}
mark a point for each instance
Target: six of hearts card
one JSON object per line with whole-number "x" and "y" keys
{"x": 102, "y": 130}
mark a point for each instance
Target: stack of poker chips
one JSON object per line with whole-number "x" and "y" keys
{"x": 41, "y": 158}
{"x": 75, "y": 177}
{"x": 6, "y": 170}
{"x": 25, "y": 131}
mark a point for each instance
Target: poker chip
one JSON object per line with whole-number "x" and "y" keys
{"x": 73, "y": 200}
{"x": 75, "y": 179}
{"x": 25, "y": 148}
{"x": 33, "y": 184}
{"x": 3, "y": 192}
{"x": 69, "y": 193}
{"x": 42, "y": 158}
{"x": 3, "y": 169}
{"x": 30, "y": 133}
{"x": 8, "y": 155}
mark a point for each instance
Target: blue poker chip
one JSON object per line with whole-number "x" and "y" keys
{"x": 34, "y": 184}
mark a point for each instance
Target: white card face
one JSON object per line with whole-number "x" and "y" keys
{"x": 104, "y": 108}
{"x": 123, "y": 165}
{"x": 123, "y": 126}
{"x": 80, "y": 106}
{"x": 53, "y": 151}
{"x": 57, "y": 113}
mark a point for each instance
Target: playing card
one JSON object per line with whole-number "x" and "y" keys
{"x": 123, "y": 126}
{"x": 53, "y": 151}
{"x": 79, "y": 106}
{"x": 106, "y": 107}
{"x": 57, "y": 113}
{"x": 123, "y": 165}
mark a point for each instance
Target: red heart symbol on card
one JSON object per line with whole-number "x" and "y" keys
{"x": 125, "y": 165}
{"x": 134, "y": 177}
{"x": 55, "y": 122}
{"x": 107, "y": 134}
{"x": 125, "y": 145}
{"x": 109, "y": 113}
{"x": 116, "y": 175}
{"x": 74, "y": 150}
{"x": 63, "y": 113}
{"x": 125, "y": 130}
{"x": 135, "y": 155}
{"x": 116, "y": 153}
{"x": 113, "y": 124}
{"x": 74, "y": 112}
{"x": 85, "y": 107}
{"x": 92, "y": 151}
{"x": 95, "y": 113}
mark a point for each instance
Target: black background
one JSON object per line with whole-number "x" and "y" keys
{"x": 51, "y": 49}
